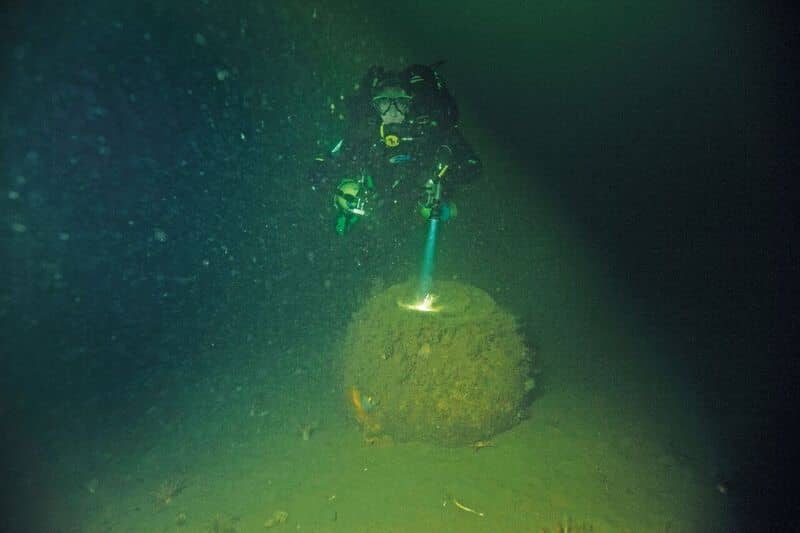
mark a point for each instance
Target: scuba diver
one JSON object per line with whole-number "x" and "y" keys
{"x": 401, "y": 149}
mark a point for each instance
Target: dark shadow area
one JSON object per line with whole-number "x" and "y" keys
{"x": 664, "y": 135}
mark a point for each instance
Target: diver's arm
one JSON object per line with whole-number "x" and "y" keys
{"x": 326, "y": 167}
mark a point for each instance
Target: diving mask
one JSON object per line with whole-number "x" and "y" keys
{"x": 384, "y": 104}
{"x": 390, "y": 97}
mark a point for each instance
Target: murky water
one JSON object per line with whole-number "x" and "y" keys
{"x": 175, "y": 295}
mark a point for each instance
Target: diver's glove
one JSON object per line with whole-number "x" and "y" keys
{"x": 447, "y": 210}
{"x": 431, "y": 205}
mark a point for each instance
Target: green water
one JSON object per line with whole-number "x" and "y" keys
{"x": 175, "y": 312}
